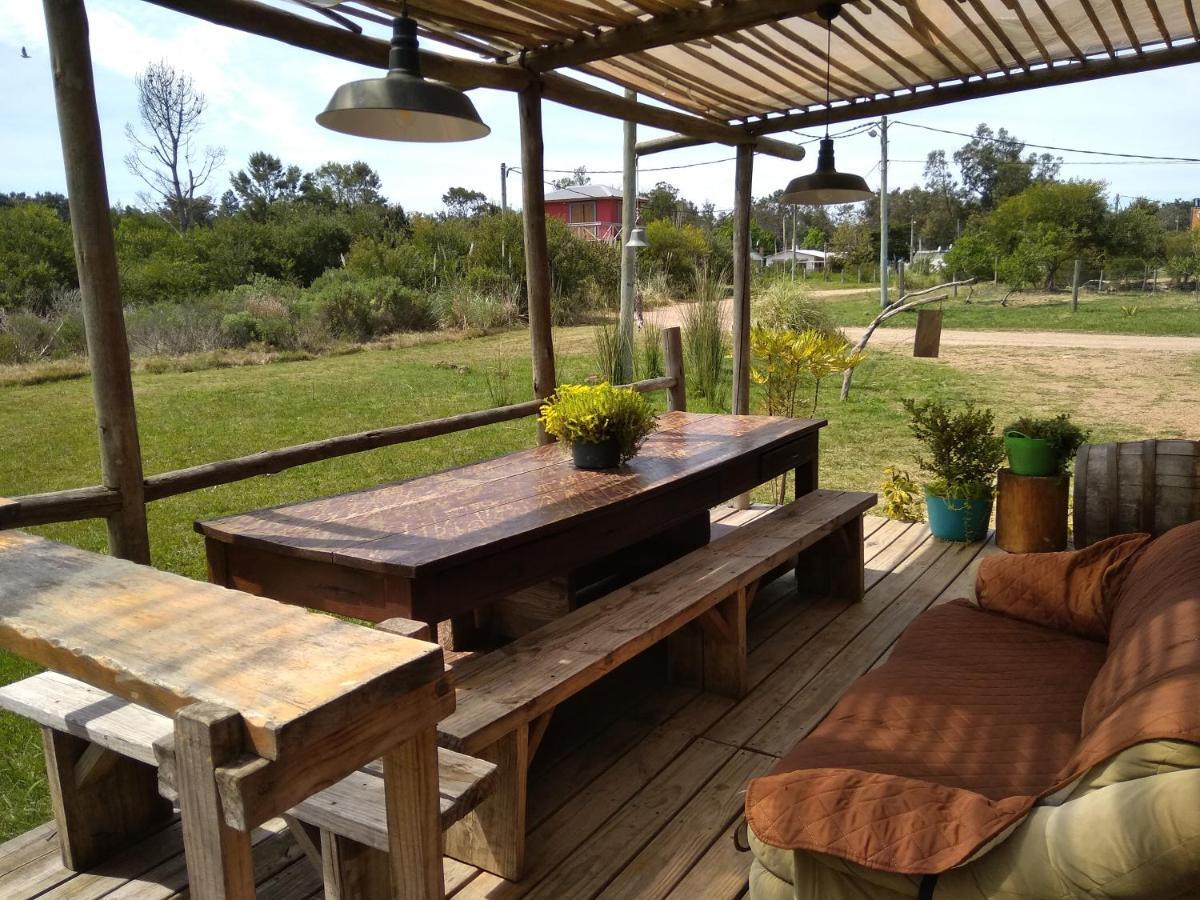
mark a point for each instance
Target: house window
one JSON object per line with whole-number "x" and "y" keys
{"x": 583, "y": 212}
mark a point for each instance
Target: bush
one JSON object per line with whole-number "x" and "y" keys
{"x": 175, "y": 328}
{"x": 964, "y": 449}
{"x": 460, "y": 307}
{"x": 361, "y": 309}
{"x": 676, "y": 251}
{"x": 371, "y": 257}
{"x": 788, "y": 305}
{"x": 240, "y": 329}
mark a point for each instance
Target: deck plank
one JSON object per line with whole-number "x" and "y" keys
{"x": 639, "y": 783}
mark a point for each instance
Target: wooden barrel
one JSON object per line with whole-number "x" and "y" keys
{"x": 1031, "y": 512}
{"x": 1150, "y": 486}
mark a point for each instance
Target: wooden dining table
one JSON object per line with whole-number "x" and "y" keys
{"x": 511, "y": 540}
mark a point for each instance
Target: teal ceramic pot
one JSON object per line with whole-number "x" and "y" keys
{"x": 963, "y": 521}
{"x": 1029, "y": 456}
{"x": 605, "y": 454}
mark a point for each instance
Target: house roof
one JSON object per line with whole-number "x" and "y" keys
{"x": 583, "y": 192}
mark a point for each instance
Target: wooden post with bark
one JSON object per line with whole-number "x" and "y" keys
{"x": 742, "y": 199}
{"x": 537, "y": 261}
{"x": 1075, "y": 286}
{"x": 673, "y": 363}
{"x": 99, "y": 285}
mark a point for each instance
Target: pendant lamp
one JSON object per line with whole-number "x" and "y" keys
{"x": 826, "y": 185}
{"x": 403, "y": 106}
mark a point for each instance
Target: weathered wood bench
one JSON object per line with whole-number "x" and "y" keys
{"x": 341, "y": 820}
{"x": 698, "y": 603}
{"x": 271, "y": 704}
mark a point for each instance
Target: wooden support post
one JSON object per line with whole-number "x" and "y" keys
{"x": 219, "y": 862}
{"x": 725, "y": 649}
{"x": 99, "y": 286}
{"x": 835, "y": 565}
{"x": 354, "y": 871}
{"x": 742, "y": 200}
{"x": 673, "y": 359}
{"x": 410, "y": 774}
{"x": 103, "y": 802}
{"x": 492, "y": 836}
{"x": 628, "y": 254}
{"x": 1075, "y": 285}
{"x": 537, "y": 261}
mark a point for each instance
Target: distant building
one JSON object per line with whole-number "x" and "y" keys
{"x": 591, "y": 210}
{"x": 935, "y": 259}
{"x": 810, "y": 260}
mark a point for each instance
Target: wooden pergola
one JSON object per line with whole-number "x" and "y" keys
{"x": 723, "y": 71}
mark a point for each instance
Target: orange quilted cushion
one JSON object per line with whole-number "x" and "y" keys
{"x": 1070, "y": 591}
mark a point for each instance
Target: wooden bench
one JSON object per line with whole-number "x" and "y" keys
{"x": 698, "y": 603}
{"x": 271, "y": 704}
{"x": 347, "y": 816}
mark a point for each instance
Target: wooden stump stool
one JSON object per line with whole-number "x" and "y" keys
{"x": 1031, "y": 512}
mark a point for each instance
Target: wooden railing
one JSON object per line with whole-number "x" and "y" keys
{"x": 98, "y": 501}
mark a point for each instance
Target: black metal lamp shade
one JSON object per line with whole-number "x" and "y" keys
{"x": 826, "y": 185}
{"x": 403, "y": 106}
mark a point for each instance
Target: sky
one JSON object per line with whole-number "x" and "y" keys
{"x": 263, "y": 95}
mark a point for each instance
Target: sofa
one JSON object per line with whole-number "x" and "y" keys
{"x": 1042, "y": 742}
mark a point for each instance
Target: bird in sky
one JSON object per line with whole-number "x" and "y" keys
{"x": 25, "y": 54}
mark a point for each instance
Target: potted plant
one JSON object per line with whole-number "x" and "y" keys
{"x": 964, "y": 454}
{"x": 1042, "y": 446}
{"x": 603, "y": 425}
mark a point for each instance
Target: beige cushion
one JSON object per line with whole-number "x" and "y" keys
{"x": 1140, "y": 761}
{"x": 1132, "y": 839}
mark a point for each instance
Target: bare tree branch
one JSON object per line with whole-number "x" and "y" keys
{"x": 902, "y": 304}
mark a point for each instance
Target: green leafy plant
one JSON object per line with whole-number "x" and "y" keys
{"x": 706, "y": 343}
{"x": 1129, "y": 311}
{"x": 901, "y": 496}
{"x": 593, "y": 413}
{"x": 786, "y": 304}
{"x": 964, "y": 449}
{"x": 498, "y": 380}
{"x": 1064, "y": 436}
{"x": 609, "y": 344}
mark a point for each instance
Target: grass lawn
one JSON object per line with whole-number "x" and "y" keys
{"x": 192, "y": 417}
{"x": 1171, "y": 313}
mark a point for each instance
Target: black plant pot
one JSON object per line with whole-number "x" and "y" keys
{"x": 605, "y": 454}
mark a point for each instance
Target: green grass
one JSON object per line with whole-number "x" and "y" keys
{"x": 192, "y": 417}
{"x": 1156, "y": 314}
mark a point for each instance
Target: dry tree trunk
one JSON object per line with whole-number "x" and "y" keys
{"x": 903, "y": 304}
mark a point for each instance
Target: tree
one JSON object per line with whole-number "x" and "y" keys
{"x": 264, "y": 181}
{"x": 343, "y": 186}
{"x": 945, "y": 208}
{"x": 578, "y": 176}
{"x": 465, "y": 203}
{"x": 36, "y": 255}
{"x": 992, "y": 167}
{"x": 664, "y": 201}
{"x": 166, "y": 158}
{"x": 851, "y": 241}
{"x": 814, "y": 238}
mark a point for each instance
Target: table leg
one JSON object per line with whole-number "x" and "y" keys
{"x": 410, "y": 774}
{"x": 806, "y": 474}
{"x": 492, "y": 836}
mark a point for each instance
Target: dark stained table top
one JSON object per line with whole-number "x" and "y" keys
{"x": 418, "y": 526}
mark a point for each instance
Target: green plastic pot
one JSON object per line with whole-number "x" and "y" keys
{"x": 1029, "y": 456}
{"x": 605, "y": 454}
{"x": 963, "y": 521}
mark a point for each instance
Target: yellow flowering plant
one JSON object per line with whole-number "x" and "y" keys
{"x": 594, "y": 413}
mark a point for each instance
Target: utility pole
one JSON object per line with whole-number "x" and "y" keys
{"x": 794, "y": 208}
{"x": 628, "y": 254}
{"x": 504, "y": 186}
{"x": 883, "y": 213}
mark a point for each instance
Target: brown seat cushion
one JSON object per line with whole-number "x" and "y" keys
{"x": 973, "y": 715}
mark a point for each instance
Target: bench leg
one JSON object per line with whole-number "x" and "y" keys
{"x": 103, "y": 802}
{"x": 219, "y": 861}
{"x": 725, "y": 646}
{"x": 354, "y": 871}
{"x": 834, "y": 566}
{"x": 410, "y": 777}
{"x": 492, "y": 836}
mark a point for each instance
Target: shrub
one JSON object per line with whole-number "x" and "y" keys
{"x": 361, "y": 309}
{"x": 964, "y": 449}
{"x": 240, "y": 329}
{"x": 609, "y": 344}
{"x": 371, "y": 257}
{"x": 1064, "y": 436}
{"x": 901, "y": 496}
{"x": 460, "y": 307}
{"x": 174, "y": 328}
{"x": 789, "y": 305}
{"x": 676, "y": 251}
{"x": 650, "y": 352}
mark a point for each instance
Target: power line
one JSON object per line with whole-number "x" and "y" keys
{"x": 1011, "y": 141}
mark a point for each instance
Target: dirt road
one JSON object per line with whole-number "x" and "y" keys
{"x": 1074, "y": 340}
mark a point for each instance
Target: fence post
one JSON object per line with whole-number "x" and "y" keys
{"x": 1075, "y": 286}
{"x": 673, "y": 357}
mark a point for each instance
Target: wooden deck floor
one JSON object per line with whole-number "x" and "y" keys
{"x": 638, "y": 784}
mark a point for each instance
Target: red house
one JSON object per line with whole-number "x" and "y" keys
{"x": 592, "y": 210}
